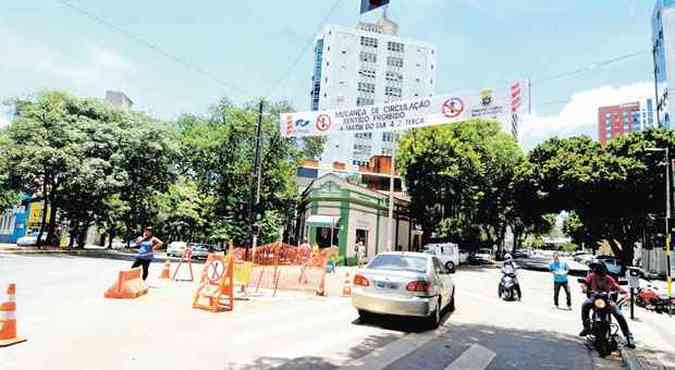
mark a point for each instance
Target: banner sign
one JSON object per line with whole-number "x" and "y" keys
{"x": 407, "y": 114}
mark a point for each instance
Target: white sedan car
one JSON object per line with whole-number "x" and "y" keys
{"x": 176, "y": 249}
{"x": 404, "y": 284}
{"x": 30, "y": 240}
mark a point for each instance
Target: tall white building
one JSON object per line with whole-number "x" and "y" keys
{"x": 367, "y": 65}
{"x": 663, "y": 49}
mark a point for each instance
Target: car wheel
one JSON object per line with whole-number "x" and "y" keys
{"x": 451, "y": 306}
{"x": 434, "y": 320}
{"x": 450, "y": 266}
{"x": 364, "y": 316}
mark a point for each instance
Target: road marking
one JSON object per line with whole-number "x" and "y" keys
{"x": 381, "y": 358}
{"x": 476, "y": 357}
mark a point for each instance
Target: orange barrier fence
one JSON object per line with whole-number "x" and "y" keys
{"x": 8, "y": 332}
{"x": 166, "y": 270}
{"x": 129, "y": 285}
{"x": 216, "y": 288}
{"x": 187, "y": 260}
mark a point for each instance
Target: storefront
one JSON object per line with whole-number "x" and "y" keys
{"x": 337, "y": 212}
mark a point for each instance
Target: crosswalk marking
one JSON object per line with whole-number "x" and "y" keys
{"x": 476, "y": 357}
{"x": 387, "y": 355}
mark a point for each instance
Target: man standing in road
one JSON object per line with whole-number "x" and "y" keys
{"x": 560, "y": 269}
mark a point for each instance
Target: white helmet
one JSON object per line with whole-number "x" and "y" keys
{"x": 507, "y": 257}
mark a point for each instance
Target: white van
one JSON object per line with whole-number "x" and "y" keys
{"x": 447, "y": 253}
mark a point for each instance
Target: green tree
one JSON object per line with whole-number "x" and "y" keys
{"x": 460, "y": 179}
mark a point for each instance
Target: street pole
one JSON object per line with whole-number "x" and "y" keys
{"x": 390, "y": 222}
{"x": 668, "y": 252}
{"x": 255, "y": 207}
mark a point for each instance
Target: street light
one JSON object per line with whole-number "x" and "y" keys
{"x": 668, "y": 262}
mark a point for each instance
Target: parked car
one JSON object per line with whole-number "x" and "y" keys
{"x": 176, "y": 249}
{"x": 614, "y": 265}
{"x": 200, "y": 251}
{"x": 30, "y": 240}
{"x": 404, "y": 284}
{"x": 118, "y": 244}
{"x": 447, "y": 253}
{"x": 482, "y": 257}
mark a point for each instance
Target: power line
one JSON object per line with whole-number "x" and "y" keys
{"x": 283, "y": 79}
{"x": 152, "y": 46}
{"x": 591, "y": 67}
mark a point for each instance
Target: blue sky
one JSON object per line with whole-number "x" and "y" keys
{"x": 250, "y": 47}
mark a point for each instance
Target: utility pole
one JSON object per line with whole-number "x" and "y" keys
{"x": 255, "y": 207}
{"x": 389, "y": 239}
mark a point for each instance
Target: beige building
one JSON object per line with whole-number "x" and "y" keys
{"x": 336, "y": 212}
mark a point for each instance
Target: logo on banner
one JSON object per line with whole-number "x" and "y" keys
{"x": 323, "y": 122}
{"x": 289, "y": 124}
{"x": 452, "y": 107}
{"x": 486, "y": 97}
{"x": 301, "y": 123}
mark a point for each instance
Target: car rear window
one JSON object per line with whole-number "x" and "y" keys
{"x": 398, "y": 263}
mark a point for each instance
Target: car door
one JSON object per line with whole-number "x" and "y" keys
{"x": 441, "y": 280}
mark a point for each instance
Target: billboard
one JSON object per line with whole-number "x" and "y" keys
{"x": 498, "y": 104}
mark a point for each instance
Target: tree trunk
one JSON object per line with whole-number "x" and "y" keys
{"x": 52, "y": 219}
{"x": 43, "y": 222}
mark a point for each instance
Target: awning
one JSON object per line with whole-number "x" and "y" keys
{"x": 323, "y": 221}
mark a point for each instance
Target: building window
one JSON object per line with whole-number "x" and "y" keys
{"x": 366, "y": 87}
{"x": 395, "y": 62}
{"x": 393, "y": 91}
{"x": 368, "y": 57}
{"x": 395, "y": 46}
{"x": 393, "y": 76}
{"x": 389, "y": 137}
{"x": 369, "y": 73}
{"x": 368, "y": 41}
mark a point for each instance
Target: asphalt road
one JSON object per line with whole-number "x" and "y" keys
{"x": 70, "y": 326}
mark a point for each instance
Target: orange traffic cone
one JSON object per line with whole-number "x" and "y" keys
{"x": 8, "y": 319}
{"x": 166, "y": 272}
{"x": 347, "y": 287}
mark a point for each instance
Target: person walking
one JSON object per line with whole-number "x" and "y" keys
{"x": 147, "y": 244}
{"x": 560, "y": 270}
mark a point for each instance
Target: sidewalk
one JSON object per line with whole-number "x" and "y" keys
{"x": 655, "y": 341}
{"x": 88, "y": 251}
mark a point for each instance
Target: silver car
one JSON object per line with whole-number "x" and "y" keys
{"x": 405, "y": 284}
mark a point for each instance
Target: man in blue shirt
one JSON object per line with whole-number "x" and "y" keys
{"x": 560, "y": 269}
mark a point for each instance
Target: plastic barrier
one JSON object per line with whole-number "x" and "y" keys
{"x": 166, "y": 271}
{"x": 215, "y": 292}
{"x": 187, "y": 259}
{"x": 8, "y": 335}
{"x": 243, "y": 272}
{"x": 347, "y": 287}
{"x": 129, "y": 285}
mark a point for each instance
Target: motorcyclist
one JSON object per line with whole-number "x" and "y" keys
{"x": 600, "y": 281}
{"x": 510, "y": 267}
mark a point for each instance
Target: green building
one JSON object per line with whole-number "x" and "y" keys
{"x": 334, "y": 211}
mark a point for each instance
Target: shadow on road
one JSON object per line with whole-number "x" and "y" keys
{"x": 400, "y": 323}
{"x": 356, "y": 351}
{"x": 514, "y": 349}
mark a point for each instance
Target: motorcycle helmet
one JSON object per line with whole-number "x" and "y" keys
{"x": 507, "y": 257}
{"x": 601, "y": 268}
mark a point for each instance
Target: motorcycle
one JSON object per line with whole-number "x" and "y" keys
{"x": 650, "y": 298}
{"x": 604, "y": 332}
{"x": 507, "y": 286}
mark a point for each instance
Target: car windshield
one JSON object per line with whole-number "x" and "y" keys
{"x": 398, "y": 263}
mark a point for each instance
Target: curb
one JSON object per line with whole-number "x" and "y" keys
{"x": 630, "y": 360}
{"x": 90, "y": 254}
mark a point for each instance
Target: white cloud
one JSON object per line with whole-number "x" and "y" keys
{"x": 580, "y": 114}
{"x": 29, "y": 66}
